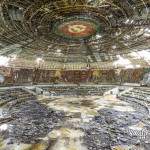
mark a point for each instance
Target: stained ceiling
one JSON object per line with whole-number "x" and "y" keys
{"x": 74, "y": 31}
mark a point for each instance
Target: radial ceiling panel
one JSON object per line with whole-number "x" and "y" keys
{"x": 74, "y": 30}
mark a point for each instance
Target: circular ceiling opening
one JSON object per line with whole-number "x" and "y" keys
{"x": 76, "y": 28}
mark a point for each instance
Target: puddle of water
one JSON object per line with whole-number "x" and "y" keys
{"x": 68, "y": 139}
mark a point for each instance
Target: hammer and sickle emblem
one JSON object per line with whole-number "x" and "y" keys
{"x": 76, "y": 28}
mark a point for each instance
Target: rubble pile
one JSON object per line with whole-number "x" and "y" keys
{"x": 111, "y": 128}
{"x": 32, "y": 121}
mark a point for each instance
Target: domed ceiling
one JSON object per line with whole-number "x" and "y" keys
{"x": 74, "y": 31}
